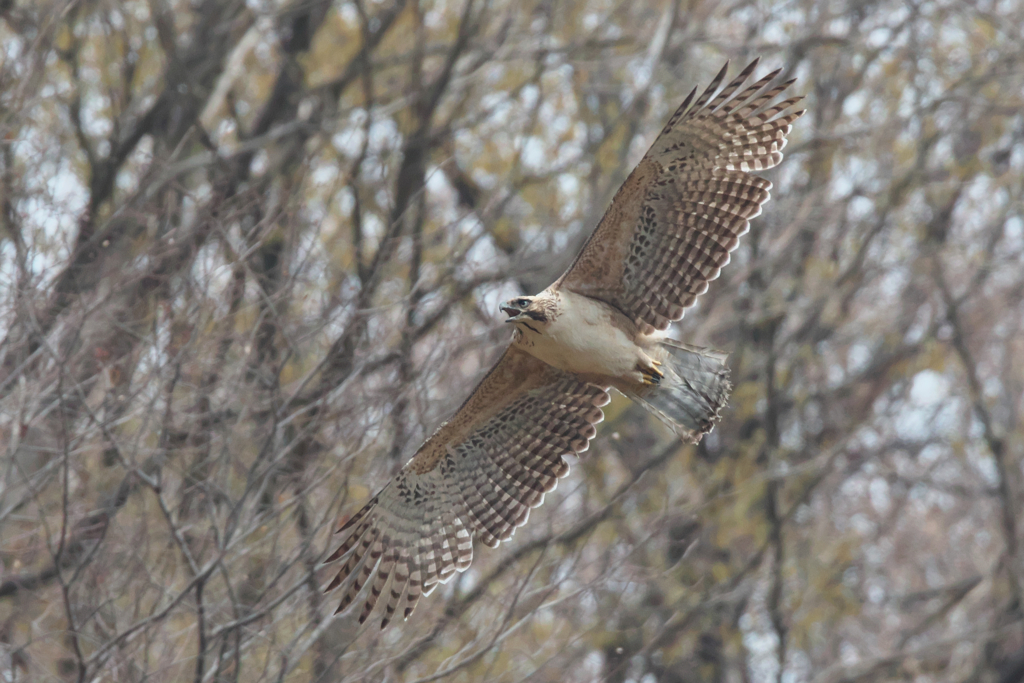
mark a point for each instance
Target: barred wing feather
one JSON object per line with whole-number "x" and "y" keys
{"x": 479, "y": 475}
{"x": 673, "y": 223}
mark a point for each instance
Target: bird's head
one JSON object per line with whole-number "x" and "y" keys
{"x": 530, "y": 311}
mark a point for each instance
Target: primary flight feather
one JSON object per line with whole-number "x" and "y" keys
{"x": 667, "y": 234}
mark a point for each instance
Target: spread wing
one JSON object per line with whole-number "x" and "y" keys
{"x": 478, "y": 475}
{"x": 673, "y": 223}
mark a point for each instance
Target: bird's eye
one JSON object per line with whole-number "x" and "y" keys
{"x": 522, "y": 302}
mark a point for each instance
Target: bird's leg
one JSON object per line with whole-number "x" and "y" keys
{"x": 650, "y": 374}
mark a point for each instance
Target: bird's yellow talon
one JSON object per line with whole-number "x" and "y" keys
{"x": 651, "y": 376}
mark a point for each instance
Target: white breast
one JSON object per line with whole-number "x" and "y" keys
{"x": 582, "y": 339}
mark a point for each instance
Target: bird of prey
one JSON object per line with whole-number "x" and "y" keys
{"x": 668, "y": 232}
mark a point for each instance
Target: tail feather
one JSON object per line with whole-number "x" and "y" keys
{"x": 693, "y": 392}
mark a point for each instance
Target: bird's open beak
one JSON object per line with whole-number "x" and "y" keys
{"x": 512, "y": 313}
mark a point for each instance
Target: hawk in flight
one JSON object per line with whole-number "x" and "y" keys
{"x": 668, "y": 232}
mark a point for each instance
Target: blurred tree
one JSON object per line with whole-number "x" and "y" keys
{"x": 235, "y": 235}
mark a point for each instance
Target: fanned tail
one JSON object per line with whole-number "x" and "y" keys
{"x": 690, "y": 397}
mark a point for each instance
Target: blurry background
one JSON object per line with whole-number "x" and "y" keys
{"x": 251, "y": 254}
